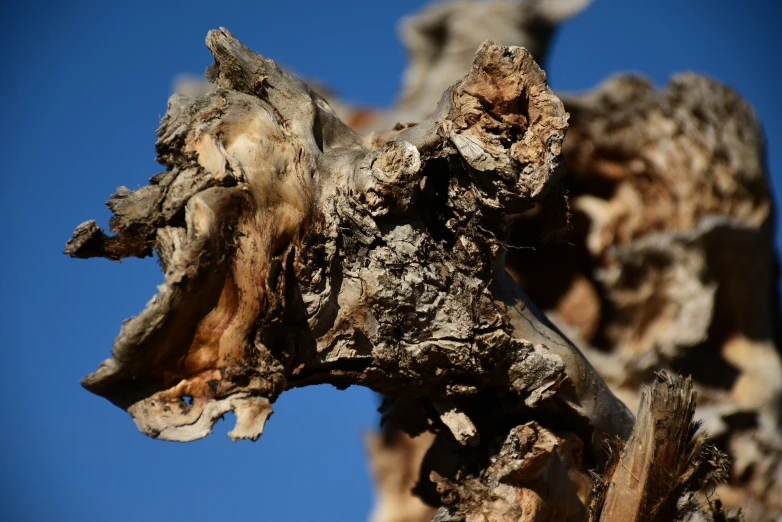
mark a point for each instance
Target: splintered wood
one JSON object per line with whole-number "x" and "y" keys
{"x": 662, "y": 459}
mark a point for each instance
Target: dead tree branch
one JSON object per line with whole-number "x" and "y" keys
{"x": 298, "y": 252}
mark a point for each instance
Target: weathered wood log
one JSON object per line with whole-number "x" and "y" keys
{"x": 295, "y": 255}
{"x": 296, "y": 252}
{"x": 533, "y": 474}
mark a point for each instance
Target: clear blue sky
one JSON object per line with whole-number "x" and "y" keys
{"x": 83, "y": 88}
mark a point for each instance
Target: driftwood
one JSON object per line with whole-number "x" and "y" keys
{"x": 298, "y": 252}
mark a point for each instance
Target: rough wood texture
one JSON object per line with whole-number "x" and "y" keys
{"x": 440, "y": 41}
{"x": 667, "y": 259}
{"x": 296, "y": 252}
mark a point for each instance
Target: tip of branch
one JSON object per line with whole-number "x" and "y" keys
{"x": 88, "y": 241}
{"x": 219, "y": 36}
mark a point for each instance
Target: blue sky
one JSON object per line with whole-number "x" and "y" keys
{"x": 84, "y": 86}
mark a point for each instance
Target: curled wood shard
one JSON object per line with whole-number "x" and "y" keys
{"x": 296, "y": 252}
